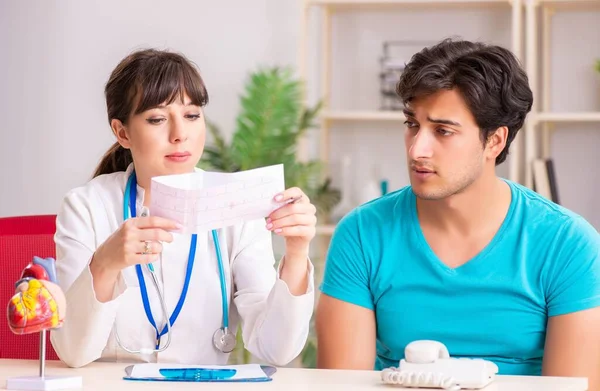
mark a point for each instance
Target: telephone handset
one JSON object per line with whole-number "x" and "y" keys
{"x": 428, "y": 364}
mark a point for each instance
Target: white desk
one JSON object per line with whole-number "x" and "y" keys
{"x": 108, "y": 376}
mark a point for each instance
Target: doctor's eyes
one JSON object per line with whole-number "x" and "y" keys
{"x": 155, "y": 121}
{"x": 160, "y": 120}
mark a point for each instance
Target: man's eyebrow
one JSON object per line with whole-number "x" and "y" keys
{"x": 443, "y": 121}
{"x": 409, "y": 113}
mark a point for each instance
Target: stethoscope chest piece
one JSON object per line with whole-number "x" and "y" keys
{"x": 224, "y": 340}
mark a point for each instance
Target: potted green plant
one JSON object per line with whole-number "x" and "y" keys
{"x": 271, "y": 121}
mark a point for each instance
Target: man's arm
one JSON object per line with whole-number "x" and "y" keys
{"x": 345, "y": 318}
{"x": 572, "y": 292}
{"x": 573, "y": 346}
{"x": 346, "y": 335}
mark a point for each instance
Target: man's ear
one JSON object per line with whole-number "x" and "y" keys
{"x": 120, "y": 133}
{"x": 496, "y": 142}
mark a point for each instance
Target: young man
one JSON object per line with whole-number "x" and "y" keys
{"x": 483, "y": 265}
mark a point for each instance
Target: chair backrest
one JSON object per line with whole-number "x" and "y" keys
{"x": 21, "y": 238}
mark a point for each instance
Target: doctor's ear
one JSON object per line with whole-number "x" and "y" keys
{"x": 120, "y": 133}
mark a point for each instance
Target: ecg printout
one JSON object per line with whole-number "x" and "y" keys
{"x": 203, "y": 201}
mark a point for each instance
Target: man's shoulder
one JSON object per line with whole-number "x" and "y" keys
{"x": 382, "y": 207}
{"x": 533, "y": 203}
{"x": 542, "y": 215}
{"x": 376, "y": 215}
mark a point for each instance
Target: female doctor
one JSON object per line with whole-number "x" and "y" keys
{"x": 138, "y": 292}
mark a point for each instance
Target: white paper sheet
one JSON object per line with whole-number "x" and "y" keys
{"x": 203, "y": 201}
{"x": 152, "y": 370}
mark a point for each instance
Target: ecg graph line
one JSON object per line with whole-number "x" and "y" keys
{"x": 219, "y": 206}
{"x": 229, "y": 188}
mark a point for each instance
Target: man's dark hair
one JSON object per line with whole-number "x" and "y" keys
{"x": 489, "y": 78}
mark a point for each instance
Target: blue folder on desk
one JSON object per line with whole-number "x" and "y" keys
{"x": 199, "y": 373}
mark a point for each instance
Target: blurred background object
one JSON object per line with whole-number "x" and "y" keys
{"x": 395, "y": 55}
{"x": 391, "y": 70}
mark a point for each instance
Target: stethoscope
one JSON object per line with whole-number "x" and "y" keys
{"x": 223, "y": 339}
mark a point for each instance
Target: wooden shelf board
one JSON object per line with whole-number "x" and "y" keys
{"x": 577, "y": 4}
{"x": 568, "y": 117}
{"x": 571, "y": 4}
{"x": 363, "y": 115}
{"x": 420, "y": 3}
{"x": 374, "y": 115}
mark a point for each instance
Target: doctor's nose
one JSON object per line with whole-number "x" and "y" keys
{"x": 178, "y": 132}
{"x": 421, "y": 145}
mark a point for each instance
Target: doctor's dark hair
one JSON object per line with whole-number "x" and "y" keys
{"x": 143, "y": 80}
{"x": 489, "y": 78}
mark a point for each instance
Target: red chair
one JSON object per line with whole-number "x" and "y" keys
{"x": 21, "y": 238}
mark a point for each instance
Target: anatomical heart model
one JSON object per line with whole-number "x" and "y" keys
{"x": 38, "y": 305}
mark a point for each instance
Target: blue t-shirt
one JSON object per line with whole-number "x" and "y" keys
{"x": 543, "y": 261}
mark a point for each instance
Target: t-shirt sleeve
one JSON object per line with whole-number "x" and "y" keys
{"x": 574, "y": 282}
{"x": 346, "y": 275}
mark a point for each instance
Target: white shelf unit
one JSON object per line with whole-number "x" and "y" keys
{"x": 363, "y": 116}
{"x": 329, "y": 117}
{"x": 570, "y": 4}
{"x": 568, "y": 117}
{"x": 540, "y": 120}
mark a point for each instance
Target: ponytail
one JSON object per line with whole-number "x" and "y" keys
{"x": 115, "y": 159}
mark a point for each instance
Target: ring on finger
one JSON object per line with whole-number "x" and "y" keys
{"x": 147, "y": 248}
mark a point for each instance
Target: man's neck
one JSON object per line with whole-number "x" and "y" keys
{"x": 485, "y": 200}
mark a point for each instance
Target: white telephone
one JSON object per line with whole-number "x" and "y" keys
{"x": 428, "y": 364}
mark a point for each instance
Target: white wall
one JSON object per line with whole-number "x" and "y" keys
{"x": 56, "y": 57}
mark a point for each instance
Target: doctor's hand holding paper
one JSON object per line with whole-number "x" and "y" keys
{"x": 296, "y": 222}
{"x": 140, "y": 289}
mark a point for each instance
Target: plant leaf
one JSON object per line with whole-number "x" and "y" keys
{"x": 271, "y": 121}
{"x": 218, "y": 156}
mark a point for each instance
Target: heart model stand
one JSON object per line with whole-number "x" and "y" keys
{"x": 37, "y": 306}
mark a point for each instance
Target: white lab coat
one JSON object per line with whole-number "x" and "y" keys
{"x": 275, "y": 323}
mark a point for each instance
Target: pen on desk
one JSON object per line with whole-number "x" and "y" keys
{"x": 197, "y": 374}
{"x": 293, "y": 200}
